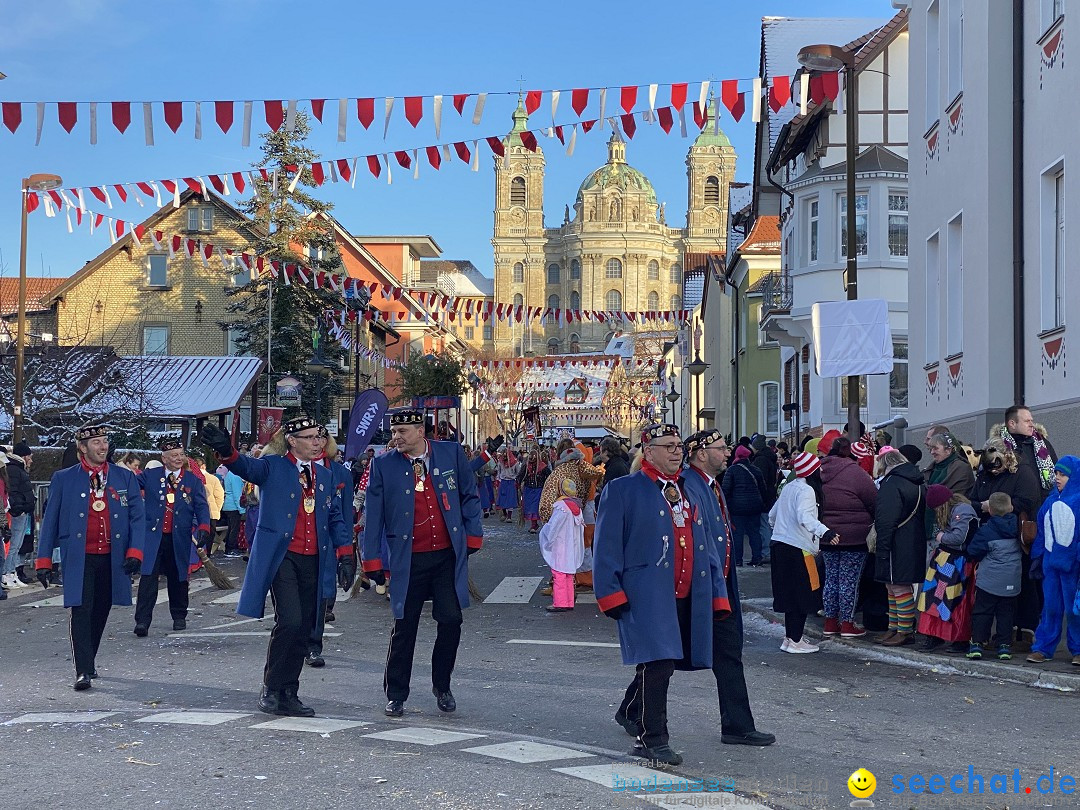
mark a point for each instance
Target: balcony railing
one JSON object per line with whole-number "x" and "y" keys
{"x": 776, "y": 293}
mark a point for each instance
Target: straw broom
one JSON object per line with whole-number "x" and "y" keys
{"x": 217, "y": 576}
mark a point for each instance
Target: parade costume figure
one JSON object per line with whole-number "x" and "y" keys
{"x": 532, "y": 478}
{"x": 342, "y": 480}
{"x": 1055, "y": 560}
{"x": 95, "y": 516}
{"x": 177, "y": 515}
{"x": 422, "y": 497}
{"x": 562, "y": 544}
{"x": 658, "y": 574}
{"x": 507, "y": 469}
{"x": 707, "y": 453}
{"x": 300, "y": 550}
{"x": 947, "y": 593}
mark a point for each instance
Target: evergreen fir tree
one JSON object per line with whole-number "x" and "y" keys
{"x": 285, "y": 219}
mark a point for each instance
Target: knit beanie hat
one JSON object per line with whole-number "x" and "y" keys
{"x": 805, "y": 464}
{"x": 742, "y": 452}
{"x": 911, "y": 453}
{"x": 936, "y": 495}
{"x": 861, "y": 450}
{"x": 1067, "y": 466}
{"x": 826, "y": 441}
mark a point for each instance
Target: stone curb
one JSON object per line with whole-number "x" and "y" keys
{"x": 1026, "y": 674}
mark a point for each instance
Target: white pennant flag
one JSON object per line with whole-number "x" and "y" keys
{"x": 572, "y": 142}
{"x": 333, "y": 171}
{"x": 703, "y": 96}
{"x": 198, "y": 120}
{"x": 245, "y": 132}
{"x": 475, "y": 165}
{"x": 652, "y": 99}
{"x": 290, "y": 116}
{"x": 67, "y": 215}
{"x": 176, "y": 194}
{"x": 153, "y": 185}
{"x": 50, "y": 209}
{"x": 296, "y": 179}
{"x": 386, "y": 122}
{"x": 682, "y": 121}
{"x": 108, "y": 199}
{"x": 148, "y": 123}
{"x": 93, "y": 123}
{"x": 603, "y": 101}
{"x": 389, "y": 176}
{"x": 838, "y": 102}
{"x": 342, "y": 117}
{"x": 225, "y": 183}
{"x": 41, "y": 121}
{"x": 273, "y": 182}
{"x": 446, "y": 154}
{"x": 555, "y": 103}
{"x": 755, "y": 101}
{"x": 202, "y": 188}
{"x": 112, "y": 230}
{"x": 436, "y": 110}
{"x": 352, "y": 179}
{"x": 415, "y": 166}
{"x": 478, "y": 113}
{"x": 804, "y": 92}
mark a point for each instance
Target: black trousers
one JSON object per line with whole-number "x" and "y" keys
{"x": 646, "y": 700}
{"x": 727, "y": 640}
{"x": 987, "y": 608}
{"x": 148, "y": 586}
{"x": 295, "y": 596}
{"x": 315, "y": 641}
{"x": 232, "y": 537}
{"x": 431, "y": 576}
{"x": 87, "y": 621}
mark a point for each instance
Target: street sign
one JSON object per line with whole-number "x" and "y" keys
{"x": 288, "y": 392}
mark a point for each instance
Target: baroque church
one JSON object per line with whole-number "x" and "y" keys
{"x": 614, "y": 249}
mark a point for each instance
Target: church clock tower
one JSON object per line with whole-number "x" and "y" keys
{"x": 710, "y": 168}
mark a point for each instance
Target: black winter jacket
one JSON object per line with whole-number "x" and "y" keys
{"x": 743, "y": 488}
{"x": 769, "y": 466}
{"x": 21, "y": 498}
{"x": 900, "y": 557}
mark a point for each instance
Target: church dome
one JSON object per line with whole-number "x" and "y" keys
{"x": 617, "y": 173}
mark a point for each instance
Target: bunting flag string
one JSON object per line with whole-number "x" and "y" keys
{"x": 278, "y": 113}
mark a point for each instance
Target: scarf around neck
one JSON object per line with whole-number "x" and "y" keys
{"x": 1042, "y": 455}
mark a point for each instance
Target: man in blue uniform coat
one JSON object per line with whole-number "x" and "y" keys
{"x": 707, "y": 453}
{"x": 343, "y": 491}
{"x": 95, "y": 515}
{"x": 423, "y": 497}
{"x": 176, "y": 510}
{"x": 300, "y": 541}
{"x": 657, "y": 572}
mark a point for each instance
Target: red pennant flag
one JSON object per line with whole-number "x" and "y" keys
{"x": 414, "y": 109}
{"x": 496, "y": 145}
{"x": 193, "y": 184}
{"x": 365, "y": 111}
{"x": 699, "y": 115}
{"x": 32, "y": 202}
{"x": 559, "y": 135}
{"x": 121, "y": 192}
{"x": 223, "y": 114}
{"x": 373, "y": 165}
{"x": 629, "y": 125}
{"x": 265, "y": 173}
{"x": 528, "y": 140}
{"x": 587, "y": 125}
{"x": 98, "y": 219}
{"x": 344, "y": 169}
{"x": 403, "y": 158}
{"x": 12, "y": 115}
{"x": 217, "y": 183}
{"x": 830, "y": 85}
{"x": 779, "y": 92}
{"x": 56, "y": 198}
{"x": 628, "y": 98}
{"x": 208, "y": 250}
{"x": 138, "y": 231}
{"x": 191, "y": 245}
{"x": 174, "y": 114}
{"x": 98, "y": 192}
{"x": 176, "y": 241}
{"x": 146, "y": 189}
{"x": 433, "y": 156}
{"x": 459, "y": 102}
{"x": 67, "y": 113}
{"x": 317, "y": 108}
{"x": 275, "y": 114}
{"x": 118, "y": 227}
{"x": 678, "y": 95}
{"x": 463, "y": 152}
{"x": 732, "y": 98}
{"x": 666, "y": 119}
{"x": 238, "y": 182}
{"x": 532, "y": 101}
{"x": 318, "y": 174}
{"x": 579, "y": 99}
{"x": 121, "y": 115}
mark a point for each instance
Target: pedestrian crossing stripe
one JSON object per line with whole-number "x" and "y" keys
{"x": 527, "y": 752}
{"x": 423, "y": 736}
{"x": 193, "y": 718}
{"x": 318, "y": 725}
{"x": 513, "y": 590}
{"x": 60, "y": 717}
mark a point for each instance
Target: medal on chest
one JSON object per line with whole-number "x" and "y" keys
{"x": 97, "y": 492}
{"x": 419, "y": 471}
{"x": 309, "y": 504}
{"x": 678, "y": 507}
{"x": 98, "y": 506}
{"x": 170, "y": 497}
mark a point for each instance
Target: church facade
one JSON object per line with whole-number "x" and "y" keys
{"x": 613, "y": 251}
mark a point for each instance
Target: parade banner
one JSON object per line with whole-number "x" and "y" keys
{"x": 365, "y": 418}
{"x": 269, "y": 422}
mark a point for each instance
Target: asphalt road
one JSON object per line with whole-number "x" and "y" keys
{"x": 534, "y": 724}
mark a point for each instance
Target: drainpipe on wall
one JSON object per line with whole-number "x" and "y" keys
{"x": 1019, "y": 369}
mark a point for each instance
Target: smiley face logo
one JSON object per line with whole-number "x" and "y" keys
{"x": 862, "y": 784}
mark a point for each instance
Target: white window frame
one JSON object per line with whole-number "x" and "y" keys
{"x": 768, "y": 422}
{"x": 613, "y": 268}
{"x": 899, "y": 216}
{"x": 200, "y": 218}
{"x": 554, "y": 302}
{"x": 675, "y": 273}
{"x": 1053, "y": 246}
{"x": 954, "y": 287}
{"x": 575, "y": 304}
{"x": 156, "y": 340}
{"x": 813, "y": 230}
{"x": 905, "y": 363}
{"x": 654, "y": 270}
{"x": 575, "y": 270}
{"x": 554, "y": 273}
{"x": 933, "y": 298}
{"x": 841, "y": 206}
{"x": 607, "y": 301}
{"x": 231, "y": 335}
{"x": 652, "y": 302}
{"x": 489, "y": 332}
{"x": 933, "y": 63}
{"x": 518, "y": 273}
{"x": 470, "y": 332}
{"x": 162, "y": 259}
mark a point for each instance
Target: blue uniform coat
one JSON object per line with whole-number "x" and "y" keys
{"x": 633, "y": 561}
{"x": 343, "y": 492}
{"x": 389, "y": 506}
{"x": 716, "y": 526}
{"x": 190, "y": 512}
{"x": 282, "y": 495}
{"x": 64, "y": 526}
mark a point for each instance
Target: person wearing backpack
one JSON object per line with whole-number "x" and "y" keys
{"x": 744, "y": 488}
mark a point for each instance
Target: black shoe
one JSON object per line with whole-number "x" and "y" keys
{"x": 445, "y": 700}
{"x": 395, "y": 708}
{"x": 93, "y": 675}
{"x": 631, "y": 728}
{"x": 330, "y": 617}
{"x": 82, "y": 683}
{"x": 291, "y": 706}
{"x": 315, "y": 660}
{"x": 661, "y": 754}
{"x": 759, "y": 738}
{"x": 179, "y": 624}
{"x": 141, "y": 630}
{"x": 269, "y": 701}
{"x": 929, "y": 644}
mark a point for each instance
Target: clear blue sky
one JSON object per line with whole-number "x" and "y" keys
{"x": 104, "y": 50}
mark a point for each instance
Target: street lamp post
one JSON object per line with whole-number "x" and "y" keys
{"x": 696, "y": 369}
{"x": 828, "y": 58}
{"x": 672, "y": 396}
{"x": 35, "y": 182}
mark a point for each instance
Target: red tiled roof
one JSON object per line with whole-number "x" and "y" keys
{"x": 764, "y": 237}
{"x": 37, "y": 287}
